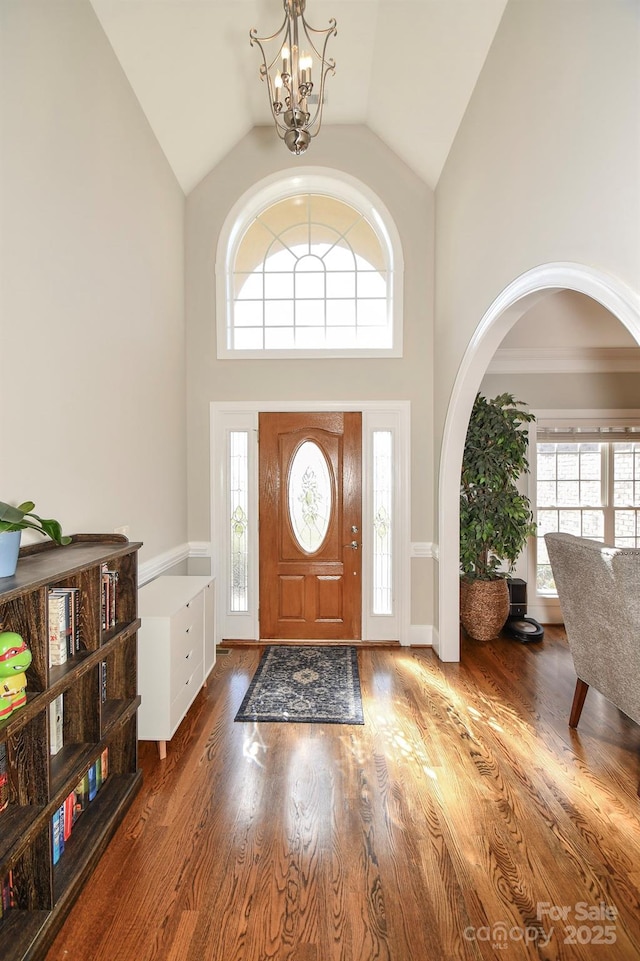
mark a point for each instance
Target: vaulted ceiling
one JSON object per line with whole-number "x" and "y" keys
{"x": 405, "y": 68}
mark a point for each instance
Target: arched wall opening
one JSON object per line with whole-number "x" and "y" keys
{"x": 518, "y": 297}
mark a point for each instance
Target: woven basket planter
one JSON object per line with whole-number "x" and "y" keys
{"x": 484, "y": 607}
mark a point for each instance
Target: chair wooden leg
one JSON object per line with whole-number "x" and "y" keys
{"x": 578, "y": 702}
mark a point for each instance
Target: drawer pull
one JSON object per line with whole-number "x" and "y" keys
{"x": 187, "y": 656}
{"x": 187, "y": 630}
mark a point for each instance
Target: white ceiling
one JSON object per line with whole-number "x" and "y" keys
{"x": 406, "y": 68}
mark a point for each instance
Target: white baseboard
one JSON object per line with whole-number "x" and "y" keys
{"x": 420, "y": 635}
{"x": 548, "y": 613}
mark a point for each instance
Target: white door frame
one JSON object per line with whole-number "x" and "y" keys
{"x": 376, "y": 415}
{"x": 518, "y": 297}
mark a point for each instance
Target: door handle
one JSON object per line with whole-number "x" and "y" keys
{"x": 353, "y": 545}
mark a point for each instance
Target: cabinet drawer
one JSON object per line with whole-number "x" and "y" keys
{"x": 184, "y": 697}
{"x": 183, "y": 667}
{"x": 187, "y": 626}
{"x": 185, "y": 646}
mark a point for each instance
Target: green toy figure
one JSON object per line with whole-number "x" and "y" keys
{"x": 15, "y": 658}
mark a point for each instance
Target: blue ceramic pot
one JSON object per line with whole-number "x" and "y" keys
{"x": 9, "y": 549}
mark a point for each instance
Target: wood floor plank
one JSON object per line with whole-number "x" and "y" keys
{"x": 461, "y": 821}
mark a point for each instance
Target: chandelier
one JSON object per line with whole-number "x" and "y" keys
{"x": 295, "y": 107}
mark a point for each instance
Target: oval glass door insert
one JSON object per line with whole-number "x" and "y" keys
{"x": 309, "y": 496}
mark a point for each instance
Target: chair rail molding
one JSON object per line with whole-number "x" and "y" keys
{"x": 155, "y": 566}
{"x": 422, "y": 549}
{"x": 161, "y": 563}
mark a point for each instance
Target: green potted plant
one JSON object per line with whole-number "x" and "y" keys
{"x": 13, "y": 520}
{"x": 495, "y": 518}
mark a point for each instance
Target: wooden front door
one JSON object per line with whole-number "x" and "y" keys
{"x": 310, "y": 491}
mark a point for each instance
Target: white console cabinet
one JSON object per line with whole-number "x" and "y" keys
{"x": 176, "y": 652}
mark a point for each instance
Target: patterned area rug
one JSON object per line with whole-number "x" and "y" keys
{"x": 320, "y": 685}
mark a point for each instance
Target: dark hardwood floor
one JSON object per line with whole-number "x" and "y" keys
{"x": 463, "y": 820}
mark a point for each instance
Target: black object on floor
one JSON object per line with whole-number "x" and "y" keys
{"x": 519, "y": 625}
{"x": 524, "y": 629}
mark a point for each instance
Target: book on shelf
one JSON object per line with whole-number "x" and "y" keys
{"x": 4, "y": 777}
{"x": 65, "y": 622}
{"x": 103, "y": 681}
{"x": 81, "y": 792}
{"x": 109, "y": 592}
{"x": 74, "y": 804}
{"x": 57, "y": 631}
{"x": 57, "y": 834}
{"x": 68, "y": 612}
{"x": 93, "y": 789}
{"x": 61, "y": 818}
{"x": 56, "y": 739}
{"x": 71, "y": 597}
{"x": 69, "y": 804}
{"x": 104, "y": 758}
{"x": 74, "y": 595}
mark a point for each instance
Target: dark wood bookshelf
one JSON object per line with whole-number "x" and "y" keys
{"x": 98, "y": 685}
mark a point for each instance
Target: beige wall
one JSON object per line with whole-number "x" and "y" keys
{"x": 603, "y": 391}
{"x": 568, "y": 319}
{"x": 544, "y": 169}
{"x": 359, "y": 153}
{"x": 545, "y": 164}
{"x": 92, "y": 392}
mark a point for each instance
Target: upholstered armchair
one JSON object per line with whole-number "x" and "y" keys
{"x": 599, "y": 592}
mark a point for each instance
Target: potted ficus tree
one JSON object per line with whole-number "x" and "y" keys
{"x": 13, "y": 520}
{"x": 495, "y": 518}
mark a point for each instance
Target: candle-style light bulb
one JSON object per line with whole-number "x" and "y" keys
{"x": 285, "y": 60}
{"x": 277, "y": 85}
{"x": 305, "y": 66}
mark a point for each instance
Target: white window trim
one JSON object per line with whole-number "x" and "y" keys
{"x": 376, "y": 415}
{"x": 320, "y": 180}
{"x": 543, "y": 607}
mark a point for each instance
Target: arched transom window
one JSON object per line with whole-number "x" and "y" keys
{"x": 308, "y": 274}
